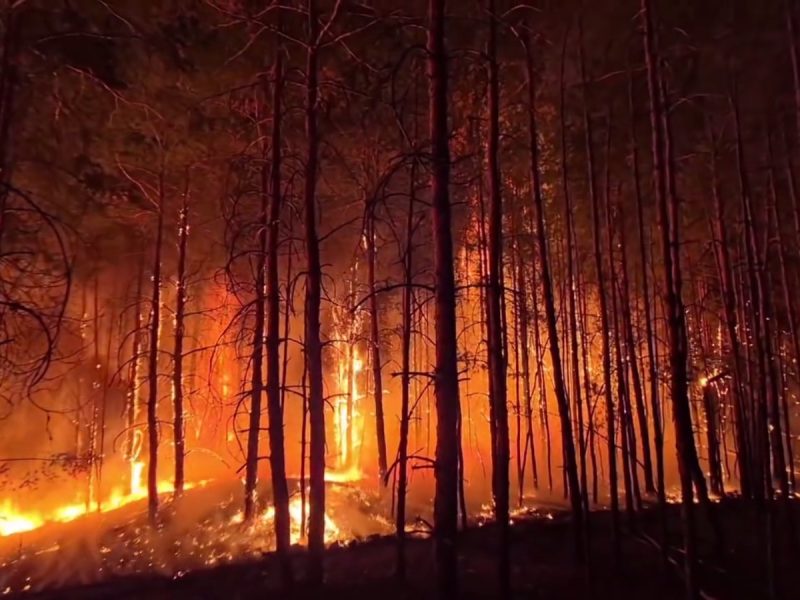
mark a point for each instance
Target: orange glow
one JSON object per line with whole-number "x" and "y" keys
{"x": 332, "y": 531}
{"x": 347, "y": 415}
{"x": 14, "y": 519}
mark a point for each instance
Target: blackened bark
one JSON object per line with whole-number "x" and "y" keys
{"x": 405, "y": 404}
{"x": 374, "y": 317}
{"x": 446, "y": 379}
{"x": 177, "y": 354}
{"x": 313, "y": 343}
{"x": 604, "y": 324}
{"x": 567, "y": 439}
{"x": 133, "y": 442}
{"x": 667, "y": 204}
{"x": 257, "y": 358}
{"x": 572, "y": 312}
{"x": 494, "y": 301}
{"x": 152, "y": 366}
{"x": 277, "y": 460}
{"x": 731, "y": 325}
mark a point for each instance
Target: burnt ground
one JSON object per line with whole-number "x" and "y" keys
{"x": 543, "y": 565}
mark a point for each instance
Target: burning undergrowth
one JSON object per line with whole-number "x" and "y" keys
{"x": 202, "y": 529}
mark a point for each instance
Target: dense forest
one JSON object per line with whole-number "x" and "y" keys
{"x": 449, "y": 261}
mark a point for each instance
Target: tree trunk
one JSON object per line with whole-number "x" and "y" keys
{"x": 408, "y": 325}
{"x": 526, "y": 371}
{"x": 375, "y": 339}
{"x": 667, "y": 204}
{"x": 152, "y": 367}
{"x": 567, "y": 439}
{"x": 732, "y": 328}
{"x": 494, "y": 292}
{"x": 628, "y": 449}
{"x": 446, "y": 378}
{"x": 605, "y": 335}
{"x": 572, "y": 312}
{"x": 761, "y": 318}
{"x": 177, "y": 354}
{"x": 257, "y": 358}
{"x": 791, "y": 314}
{"x": 313, "y": 343}
{"x": 133, "y": 442}
{"x": 277, "y": 461}
{"x": 641, "y": 410}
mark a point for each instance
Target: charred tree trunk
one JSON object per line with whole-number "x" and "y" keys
{"x": 177, "y": 354}
{"x": 732, "y": 328}
{"x": 791, "y": 314}
{"x": 405, "y": 404}
{"x": 446, "y": 378}
{"x": 375, "y": 340}
{"x": 604, "y": 324}
{"x": 567, "y": 439}
{"x": 655, "y": 401}
{"x": 667, "y": 204}
{"x": 257, "y": 358}
{"x": 133, "y": 443}
{"x": 627, "y": 449}
{"x": 313, "y": 343}
{"x": 277, "y": 461}
{"x": 526, "y": 377}
{"x": 152, "y": 366}
{"x": 767, "y": 378}
{"x": 539, "y": 378}
{"x": 572, "y": 311}
{"x": 494, "y": 303}
{"x": 712, "y": 438}
{"x": 641, "y": 410}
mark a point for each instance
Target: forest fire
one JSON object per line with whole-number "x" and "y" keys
{"x": 286, "y": 279}
{"x": 14, "y": 519}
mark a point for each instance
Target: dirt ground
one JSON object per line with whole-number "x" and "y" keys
{"x": 544, "y": 566}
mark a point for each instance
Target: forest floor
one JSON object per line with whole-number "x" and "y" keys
{"x": 543, "y": 564}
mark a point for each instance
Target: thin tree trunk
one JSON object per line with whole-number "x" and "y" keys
{"x": 628, "y": 443}
{"x": 177, "y": 354}
{"x": 567, "y": 439}
{"x": 313, "y": 343}
{"x": 408, "y": 324}
{"x": 791, "y": 313}
{"x": 152, "y": 367}
{"x": 375, "y": 341}
{"x": 257, "y": 358}
{"x": 540, "y": 381}
{"x": 494, "y": 292}
{"x": 446, "y": 380}
{"x": 604, "y": 324}
{"x": 277, "y": 460}
{"x": 572, "y": 313}
{"x": 768, "y": 392}
{"x": 667, "y": 203}
{"x": 638, "y": 386}
{"x": 133, "y": 444}
{"x": 731, "y": 325}
{"x": 526, "y": 376}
